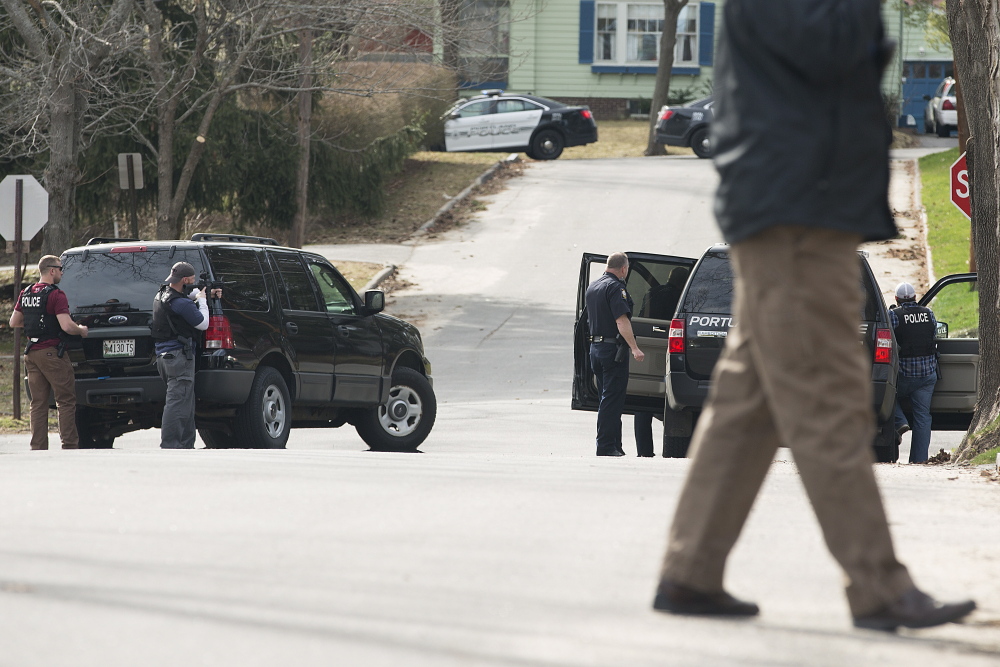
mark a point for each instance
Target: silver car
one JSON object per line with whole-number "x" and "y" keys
{"x": 941, "y": 115}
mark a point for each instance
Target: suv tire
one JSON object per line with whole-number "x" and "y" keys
{"x": 215, "y": 439}
{"x": 676, "y": 447}
{"x": 263, "y": 422}
{"x": 87, "y": 428}
{"x": 404, "y": 421}
{"x": 886, "y": 445}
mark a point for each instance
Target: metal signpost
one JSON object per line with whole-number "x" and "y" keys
{"x": 24, "y": 210}
{"x": 130, "y": 178}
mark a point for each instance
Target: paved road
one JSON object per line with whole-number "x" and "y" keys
{"x": 506, "y": 543}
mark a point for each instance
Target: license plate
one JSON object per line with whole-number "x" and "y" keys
{"x": 121, "y": 347}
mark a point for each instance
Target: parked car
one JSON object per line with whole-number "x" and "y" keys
{"x": 686, "y": 126}
{"x": 941, "y": 114}
{"x": 495, "y": 121}
{"x": 682, "y": 347}
{"x": 290, "y": 344}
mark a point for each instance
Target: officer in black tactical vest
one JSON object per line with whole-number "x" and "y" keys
{"x": 43, "y": 310}
{"x": 609, "y": 309}
{"x": 915, "y": 328}
{"x": 177, "y": 321}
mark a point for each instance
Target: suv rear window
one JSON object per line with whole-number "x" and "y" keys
{"x": 136, "y": 276}
{"x": 244, "y": 287}
{"x": 710, "y": 289}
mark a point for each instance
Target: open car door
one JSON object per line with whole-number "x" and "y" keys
{"x": 955, "y": 302}
{"x": 655, "y": 283}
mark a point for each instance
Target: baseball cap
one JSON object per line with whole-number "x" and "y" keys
{"x": 905, "y": 291}
{"x": 181, "y": 270}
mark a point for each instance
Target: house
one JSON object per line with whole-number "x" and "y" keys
{"x": 603, "y": 53}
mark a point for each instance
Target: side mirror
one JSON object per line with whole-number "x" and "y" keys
{"x": 942, "y": 330}
{"x": 374, "y": 301}
{"x": 454, "y": 116}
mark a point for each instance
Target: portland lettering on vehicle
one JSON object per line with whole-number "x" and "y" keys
{"x": 710, "y": 321}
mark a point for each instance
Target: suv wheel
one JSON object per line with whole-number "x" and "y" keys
{"x": 886, "y": 445}
{"x": 89, "y": 429}
{"x": 264, "y": 420}
{"x": 403, "y": 422}
{"x": 217, "y": 439}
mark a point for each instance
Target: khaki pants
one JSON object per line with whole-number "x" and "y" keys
{"x": 792, "y": 374}
{"x": 46, "y": 370}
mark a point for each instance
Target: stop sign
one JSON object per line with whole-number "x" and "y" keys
{"x": 34, "y": 207}
{"x": 960, "y": 186}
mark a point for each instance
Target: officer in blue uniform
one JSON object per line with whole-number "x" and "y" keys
{"x": 915, "y": 328}
{"x": 609, "y": 309}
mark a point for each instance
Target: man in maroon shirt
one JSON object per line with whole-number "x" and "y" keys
{"x": 43, "y": 310}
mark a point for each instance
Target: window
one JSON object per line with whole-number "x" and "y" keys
{"x": 298, "y": 293}
{"x": 511, "y": 106}
{"x": 643, "y": 24}
{"x": 475, "y": 109}
{"x": 243, "y": 287}
{"x": 957, "y": 306}
{"x": 336, "y": 295}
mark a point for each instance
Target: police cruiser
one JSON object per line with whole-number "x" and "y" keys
{"x": 495, "y": 121}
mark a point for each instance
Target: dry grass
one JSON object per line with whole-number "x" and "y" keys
{"x": 618, "y": 138}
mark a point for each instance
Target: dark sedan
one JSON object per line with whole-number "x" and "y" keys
{"x": 687, "y": 126}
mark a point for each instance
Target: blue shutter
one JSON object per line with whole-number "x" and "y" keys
{"x": 706, "y": 34}
{"x": 586, "y": 31}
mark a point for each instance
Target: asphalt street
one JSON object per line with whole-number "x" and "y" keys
{"x": 506, "y": 542}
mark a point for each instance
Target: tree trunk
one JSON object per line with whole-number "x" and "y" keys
{"x": 298, "y": 235}
{"x": 62, "y": 172}
{"x": 975, "y": 37}
{"x": 449, "y": 36}
{"x": 661, "y": 89}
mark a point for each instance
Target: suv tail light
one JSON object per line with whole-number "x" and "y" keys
{"x": 883, "y": 346}
{"x": 948, "y": 105}
{"x": 675, "y": 341}
{"x": 219, "y": 335}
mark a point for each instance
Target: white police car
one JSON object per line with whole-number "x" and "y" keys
{"x": 495, "y": 121}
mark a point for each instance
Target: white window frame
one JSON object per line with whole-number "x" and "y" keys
{"x": 688, "y": 34}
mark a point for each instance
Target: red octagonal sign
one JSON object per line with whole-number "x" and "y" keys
{"x": 960, "y": 186}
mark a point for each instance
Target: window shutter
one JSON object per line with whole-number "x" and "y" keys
{"x": 586, "y": 31}
{"x": 706, "y": 33}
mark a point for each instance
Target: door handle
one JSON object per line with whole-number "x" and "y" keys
{"x": 292, "y": 327}
{"x": 345, "y": 330}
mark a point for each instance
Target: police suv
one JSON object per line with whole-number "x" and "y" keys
{"x": 495, "y": 121}
{"x": 683, "y": 345}
{"x": 289, "y": 344}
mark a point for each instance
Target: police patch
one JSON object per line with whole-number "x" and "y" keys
{"x": 624, "y": 295}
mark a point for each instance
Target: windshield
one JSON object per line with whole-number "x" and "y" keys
{"x": 98, "y": 278}
{"x": 710, "y": 290}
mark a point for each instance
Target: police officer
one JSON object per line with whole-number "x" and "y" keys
{"x": 43, "y": 310}
{"x": 915, "y": 328}
{"x": 179, "y": 313}
{"x": 609, "y": 309}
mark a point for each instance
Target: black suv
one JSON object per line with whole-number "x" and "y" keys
{"x": 682, "y": 346}
{"x": 289, "y": 344}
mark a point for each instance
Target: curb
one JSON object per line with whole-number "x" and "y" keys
{"x": 461, "y": 196}
{"x": 379, "y": 278}
{"x": 918, "y": 200}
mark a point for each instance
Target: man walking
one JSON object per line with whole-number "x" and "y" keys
{"x": 609, "y": 309}
{"x": 175, "y": 326}
{"x": 43, "y": 310}
{"x": 915, "y": 329}
{"x": 801, "y": 185}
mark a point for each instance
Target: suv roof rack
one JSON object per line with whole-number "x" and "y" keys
{"x": 234, "y": 238}
{"x": 97, "y": 240}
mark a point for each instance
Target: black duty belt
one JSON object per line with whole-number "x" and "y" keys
{"x": 602, "y": 339}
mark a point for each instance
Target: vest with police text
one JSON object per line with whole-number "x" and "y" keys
{"x": 39, "y": 324}
{"x": 915, "y": 332}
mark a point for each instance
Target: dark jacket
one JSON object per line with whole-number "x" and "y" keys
{"x": 800, "y": 133}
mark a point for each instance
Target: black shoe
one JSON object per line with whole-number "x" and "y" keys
{"x": 677, "y": 599}
{"x": 914, "y": 609}
{"x": 614, "y": 452}
{"x": 902, "y": 429}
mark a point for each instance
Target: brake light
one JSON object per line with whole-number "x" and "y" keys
{"x": 664, "y": 114}
{"x": 675, "y": 340}
{"x": 219, "y": 335}
{"x": 883, "y": 346}
{"x": 130, "y": 248}
{"x": 948, "y": 105}
{"x": 586, "y": 114}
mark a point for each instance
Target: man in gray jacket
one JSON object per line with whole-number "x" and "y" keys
{"x": 800, "y": 143}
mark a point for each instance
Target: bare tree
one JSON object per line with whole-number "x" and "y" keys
{"x": 58, "y": 88}
{"x": 975, "y": 38}
{"x": 661, "y": 89}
